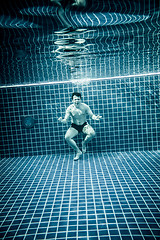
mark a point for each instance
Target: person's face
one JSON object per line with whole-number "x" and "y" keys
{"x": 76, "y": 100}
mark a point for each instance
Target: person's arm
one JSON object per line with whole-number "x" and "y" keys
{"x": 66, "y": 118}
{"x": 93, "y": 116}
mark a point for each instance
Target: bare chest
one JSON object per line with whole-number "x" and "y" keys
{"x": 77, "y": 112}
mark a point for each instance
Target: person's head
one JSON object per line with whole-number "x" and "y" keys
{"x": 76, "y": 98}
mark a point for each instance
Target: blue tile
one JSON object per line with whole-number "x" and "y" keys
{"x": 29, "y": 237}
{"x": 51, "y": 236}
{"x": 31, "y": 231}
{"x": 103, "y": 233}
{"x": 19, "y": 237}
{"x": 104, "y": 237}
{"x": 72, "y": 228}
{"x": 82, "y": 233}
{"x": 92, "y": 227}
{"x": 42, "y": 230}
{"x": 72, "y": 234}
{"x": 115, "y": 237}
{"x": 57, "y": 221}
{"x": 93, "y": 233}
{"x": 61, "y": 235}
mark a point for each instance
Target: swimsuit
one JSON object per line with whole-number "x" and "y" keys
{"x": 79, "y": 128}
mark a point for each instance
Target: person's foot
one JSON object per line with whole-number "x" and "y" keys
{"x": 83, "y": 147}
{"x": 56, "y": 2}
{"x": 79, "y": 153}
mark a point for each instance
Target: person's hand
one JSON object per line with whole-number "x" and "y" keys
{"x": 96, "y": 117}
{"x": 60, "y": 119}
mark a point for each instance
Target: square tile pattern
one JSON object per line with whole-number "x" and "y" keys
{"x": 129, "y": 108}
{"x": 103, "y": 196}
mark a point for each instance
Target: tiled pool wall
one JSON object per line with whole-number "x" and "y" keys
{"x": 129, "y": 107}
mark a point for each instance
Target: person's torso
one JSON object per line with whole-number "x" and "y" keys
{"x": 78, "y": 114}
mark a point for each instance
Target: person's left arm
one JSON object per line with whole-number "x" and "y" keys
{"x": 91, "y": 114}
{"x": 67, "y": 116}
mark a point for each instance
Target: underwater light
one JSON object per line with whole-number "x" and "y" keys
{"x": 80, "y": 80}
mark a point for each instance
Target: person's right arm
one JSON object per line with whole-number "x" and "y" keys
{"x": 66, "y": 118}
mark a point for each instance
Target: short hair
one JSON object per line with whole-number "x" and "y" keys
{"x": 76, "y": 94}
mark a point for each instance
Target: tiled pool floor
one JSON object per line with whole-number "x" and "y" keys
{"x": 102, "y": 196}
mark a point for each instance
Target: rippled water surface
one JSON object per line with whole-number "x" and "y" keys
{"x": 109, "y": 39}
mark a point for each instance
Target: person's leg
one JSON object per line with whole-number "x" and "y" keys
{"x": 61, "y": 13}
{"x": 64, "y": 20}
{"x": 70, "y": 134}
{"x": 90, "y": 133}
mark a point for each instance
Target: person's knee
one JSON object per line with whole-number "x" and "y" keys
{"x": 67, "y": 138}
{"x": 92, "y": 134}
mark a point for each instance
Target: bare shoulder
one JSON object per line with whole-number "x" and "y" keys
{"x": 85, "y": 106}
{"x": 70, "y": 107}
